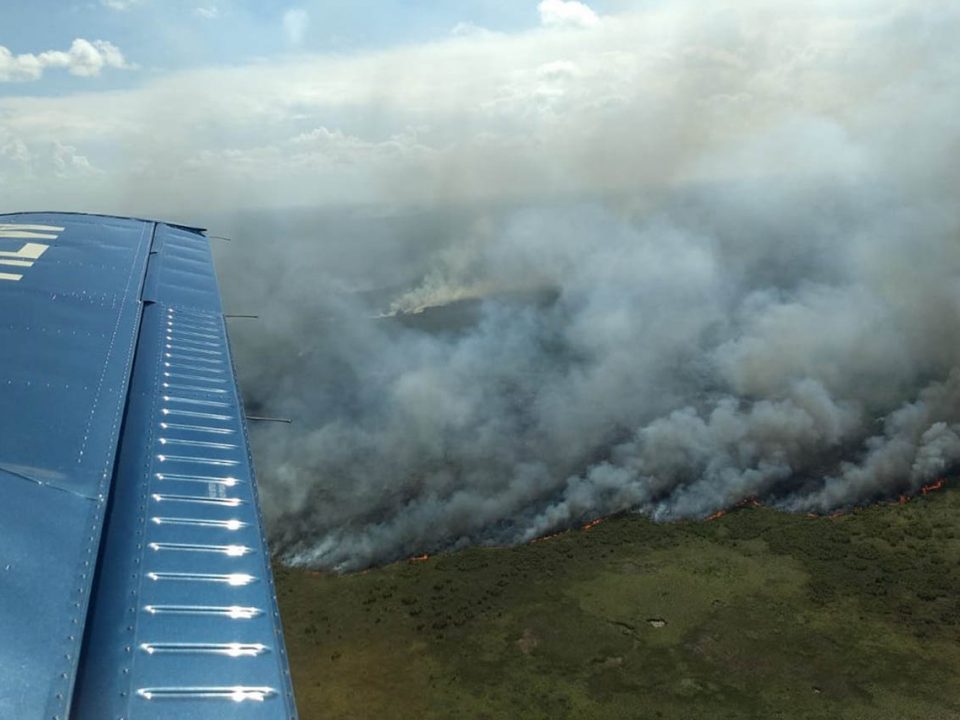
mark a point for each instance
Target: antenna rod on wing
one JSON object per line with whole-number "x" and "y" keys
{"x": 257, "y": 418}
{"x": 251, "y": 317}
{"x": 219, "y": 237}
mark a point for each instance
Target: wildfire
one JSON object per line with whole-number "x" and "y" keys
{"x": 419, "y": 558}
{"x": 592, "y": 524}
{"x": 551, "y": 536}
{"x": 750, "y": 502}
{"x": 925, "y": 490}
{"x": 901, "y": 500}
{"x": 932, "y": 487}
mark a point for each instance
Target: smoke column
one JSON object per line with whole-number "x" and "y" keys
{"x": 759, "y": 296}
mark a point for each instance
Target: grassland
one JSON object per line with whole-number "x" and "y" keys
{"x": 757, "y": 614}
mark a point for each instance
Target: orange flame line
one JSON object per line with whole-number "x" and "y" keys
{"x": 547, "y": 537}
{"x": 931, "y": 487}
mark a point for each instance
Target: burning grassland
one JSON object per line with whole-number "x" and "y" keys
{"x": 759, "y": 614}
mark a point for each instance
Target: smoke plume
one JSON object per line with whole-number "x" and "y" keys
{"x": 741, "y": 280}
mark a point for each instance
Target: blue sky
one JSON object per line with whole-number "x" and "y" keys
{"x": 159, "y": 36}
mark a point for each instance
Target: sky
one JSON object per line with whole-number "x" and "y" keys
{"x": 159, "y": 36}
{"x": 176, "y": 109}
{"x": 150, "y": 106}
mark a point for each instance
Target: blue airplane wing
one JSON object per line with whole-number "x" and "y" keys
{"x": 134, "y": 578}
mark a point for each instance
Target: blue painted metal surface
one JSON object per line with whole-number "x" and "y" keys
{"x": 69, "y": 315}
{"x": 183, "y": 620}
{"x": 66, "y": 344}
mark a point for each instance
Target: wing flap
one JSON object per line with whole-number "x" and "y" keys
{"x": 184, "y": 616}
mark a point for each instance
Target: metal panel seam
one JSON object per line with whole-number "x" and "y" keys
{"x": 133, "y": 630}
{"x": 89, "y": 570}
{"x": 105, "y": 476}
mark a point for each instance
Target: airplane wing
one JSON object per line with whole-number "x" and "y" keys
{"x": 134, "y": 578}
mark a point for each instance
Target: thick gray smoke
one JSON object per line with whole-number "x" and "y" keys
{"x": 778, "y": 318}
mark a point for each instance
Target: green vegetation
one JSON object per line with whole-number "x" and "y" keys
{"x": 755, "y": 615}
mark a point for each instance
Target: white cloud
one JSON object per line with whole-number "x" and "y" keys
{"x": 85, "y": 58}
{"x": 295, "y": 23}
{"x": 18, "y": 67}
{"x": 566, "y": 13}
{"x": 120, "y": 4}
{"x": 469, "y": 29}
{"x": 67, "y": 162}
{"x": 14, "y": 153}
{"x": 42, "y": 162}
{"x": 207, "y": 12}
